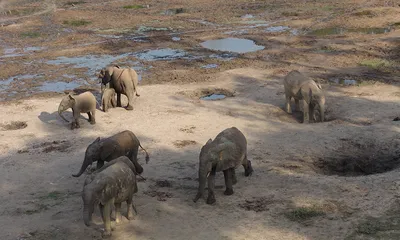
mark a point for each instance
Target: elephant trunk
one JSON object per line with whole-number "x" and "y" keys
{"x": 60, "y": 110}
{"x": 83, "y": 168}
{"x": 322, "y": 112}
{"x": 202, "y": 182}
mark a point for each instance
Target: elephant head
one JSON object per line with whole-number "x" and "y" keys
{"x": 317, "y": 99}
{"x": 210, "y": 160}
{"x": 101, "y": 149}
{"x": 105, "y": 75}
{"x": 66, "y": 103}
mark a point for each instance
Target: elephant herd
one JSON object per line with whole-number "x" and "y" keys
{"x": 114, "y": 180}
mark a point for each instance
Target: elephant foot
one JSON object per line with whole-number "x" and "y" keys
{"x": 210, "y": 200}
{"x": 234, "y": 181}
{"x": 92, "y": 122}
{"x": 106, "y": 234}
{"x": 130, "y": 216}
{"x": 228, "y": 191}
{"x": 129, "y": 107}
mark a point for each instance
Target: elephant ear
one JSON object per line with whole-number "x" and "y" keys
{"x": 72, "y": 98}
{"x": 106, "y": 150}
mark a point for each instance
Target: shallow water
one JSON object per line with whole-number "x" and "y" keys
{"x": 237, "y": 45}
{"x": 92, "y": 62}
{"x": 161, "y": 54}
{"x": 175, "y": 39}
{"x": 214, "y": 97}
{"x": 58, "y": 86}
{"x": 277, "y": 29}
{"x": 208, "y": 66}
{"x": 348, "y": 82}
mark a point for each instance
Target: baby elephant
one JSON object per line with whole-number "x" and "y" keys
{"x": 82, "y": 103}
{"x": 108, "y": 99}
{"x": 299, "y": 87}
{"x": 225, "y": 153}
{"x": 124, "y": 143}
{"x": 113, "y": 183}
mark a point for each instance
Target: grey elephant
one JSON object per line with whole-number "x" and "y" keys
{"x": 124, "y": 143}
{"x": 123, "y": 80}
{"x": 303, "y": 89}
{"x": 108, "y": 99}
{"x": 82, "y": 103}
{"x": 225, "y": 153}
{"x": 112, "y": 184}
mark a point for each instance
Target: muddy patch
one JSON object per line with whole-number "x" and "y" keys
{"x": 357, "y": 158}
{"x": 162, "y": 54}
{"x": 237, "y": 45}
{"x": 47, "y": 147}
{"x": 208, "y": 92}
{"x": 188, "y": 129}
{"x": 341, "y": 31}
{"x": 163, "y": 183}
{"x": 184, "y": 143}
{"x": 14, "y": 125}
{"x": 161, "y": 196}
{"x": 257, "y": 204}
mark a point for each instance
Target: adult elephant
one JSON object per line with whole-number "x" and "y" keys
{"x": 123, "y": 80}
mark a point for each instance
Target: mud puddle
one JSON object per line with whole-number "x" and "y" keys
{"x": 208, "y": 66}
{"x": 237, "y": 45}
{"x": 213, "y": 97}
{"x": 346, "y": 82}
{"x": 163, "y": 54}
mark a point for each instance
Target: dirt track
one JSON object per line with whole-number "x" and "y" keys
{"x": 353, "y": 194}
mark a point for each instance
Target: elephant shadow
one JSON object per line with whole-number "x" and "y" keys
{"x": 55, "y": 119}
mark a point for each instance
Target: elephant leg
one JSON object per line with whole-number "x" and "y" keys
{"x": 76, "y": 118}
{"x": 297, "y": 105}
{"x": 129, "y": 206}
{"x": 130, "y": 101}
{"x": 287, "y": 104}
{"x": 100, "y": 163}
{"x": 306, "y": 116}
{"x": 118, "y": 217}
{"x": 119, "y": 100}
{"x": 90, "y": 117}
{"x": 311, "y": 113}
{"x": 113, "y": 102}
{"x": 234, "y": 179}
{"x": 228, "y": 181}
{"x": 211, "y": 186}
{"x": 93, "y": 113}
{"x": 248, "y": 169}
{"x": 101, "y": 207}
{"x": 107, "y": 218}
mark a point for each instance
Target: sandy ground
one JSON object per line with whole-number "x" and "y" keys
{"x": 331, "y": 180}
{"x": 41, "y": 200}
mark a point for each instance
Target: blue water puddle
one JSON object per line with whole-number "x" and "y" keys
{"x": 5, "y": 84}
{"x": 236, "y": 45}
{"x": 247, "y": 16}
{"x": 92, "y": 62}
{"x": 58, "y": 86}
{"x": 175, "y": 39}
{"x": 213, "y": 97}
{"x": 162, "y": 54}
{"x": 277, "y": 29}
{"x": 208, "y": 66}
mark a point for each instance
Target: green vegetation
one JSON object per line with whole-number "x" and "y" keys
{"x": 304, "y": 213}
{"x": 30, "y": 34}
{"x": 76, "y": 23}
{"x": 75, "y": 3}
{"x": 376, "y": 63}
{"x": 133, "y": 6}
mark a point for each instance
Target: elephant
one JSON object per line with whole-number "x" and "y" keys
{"x": 82, "y": 103}
{"x": 112, "y": 184}
{"x": 124, "y": 143}
{"x": 225, "y": 153}
{"x": 300, "y": 87}
{"x": 108, "y": 99}
{"x": 123, "y": 80}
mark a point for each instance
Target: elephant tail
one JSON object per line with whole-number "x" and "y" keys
{"x": 147, "y": 155}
